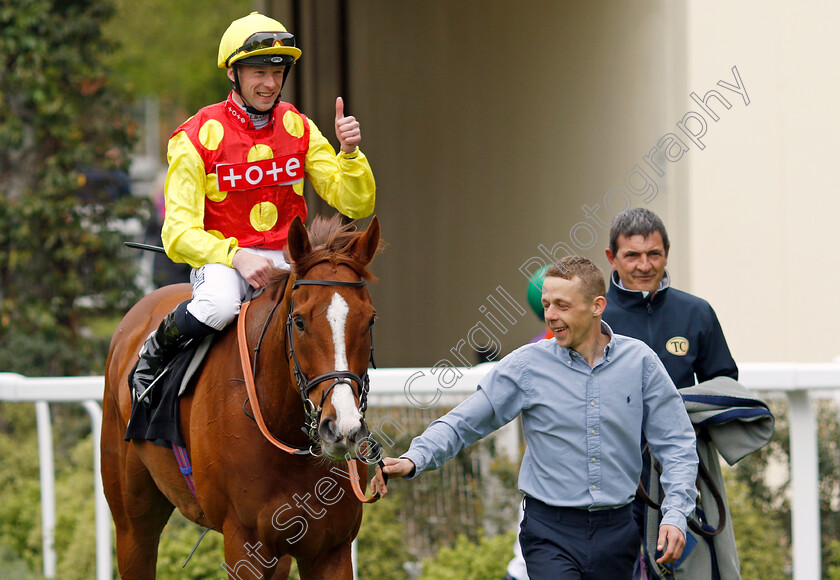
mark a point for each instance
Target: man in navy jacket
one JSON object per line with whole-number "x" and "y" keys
{"x": 681, "y": 328}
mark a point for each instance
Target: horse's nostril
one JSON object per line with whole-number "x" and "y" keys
{"x": 358, "y": 434}
{"x": 353, "y": 435}
{"x": 328, "y": 431}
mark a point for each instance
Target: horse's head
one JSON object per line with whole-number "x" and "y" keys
{"x": 329, "y": 327}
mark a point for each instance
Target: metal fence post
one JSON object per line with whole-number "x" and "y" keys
{"x": 47, "y": 468}
{"x": 805, "y": 491}
{"x": 104, "y": 564}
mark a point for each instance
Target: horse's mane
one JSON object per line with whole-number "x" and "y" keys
{"x": 332, "y": 241}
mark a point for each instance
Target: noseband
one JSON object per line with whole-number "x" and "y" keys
{"x": 362, "y": 384}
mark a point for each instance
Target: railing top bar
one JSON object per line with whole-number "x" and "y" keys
{"x": 785, "y": 376}
{"x": 14, "y": 387}
{"x": 422, "y": 384}
{"x": 790, "y": 376}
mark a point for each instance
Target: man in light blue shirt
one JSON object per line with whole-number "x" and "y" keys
{"x": 585, "y": 397}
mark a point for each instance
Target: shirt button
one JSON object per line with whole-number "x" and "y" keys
{"x": 592, "y": 374}
{"x": 592, "y": 431}
{"x": 593, "y": 460}
{"x": 594, "y": 487}
{"x": 592, "y": 403}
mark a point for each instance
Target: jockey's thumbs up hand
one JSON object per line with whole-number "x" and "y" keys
{"x": 339, "y": 109}
{"x": 346, "y": 128}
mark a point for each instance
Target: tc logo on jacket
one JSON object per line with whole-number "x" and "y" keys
{"x": 677, "y": 346}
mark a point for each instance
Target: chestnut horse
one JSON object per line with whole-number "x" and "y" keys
{"x": 310, "y": 376}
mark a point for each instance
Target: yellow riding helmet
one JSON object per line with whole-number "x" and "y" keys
{"x": 257, "y": 39}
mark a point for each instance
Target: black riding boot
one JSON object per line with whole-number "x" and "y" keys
{"x": 174, "y": 331}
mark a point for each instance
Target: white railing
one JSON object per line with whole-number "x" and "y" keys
{"x": 42, "y": 391}
{"x": 800, "y": 382}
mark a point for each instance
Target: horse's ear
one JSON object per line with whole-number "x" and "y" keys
{"x": 298, "y": 240}
{"x": 367, "y": 245}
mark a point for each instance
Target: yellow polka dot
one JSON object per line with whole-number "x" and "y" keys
{"x": 211, "y": 134}
{"x": 298, "y": 187}
{"x": 260, "y": 152}
{"x": 216, "y": 233}
{"x": 263, "y": 216}
{"x": 293, "y": 124}
{"x": 212, "y": 191}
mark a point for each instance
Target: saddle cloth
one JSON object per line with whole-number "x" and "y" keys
{"x": 160, "y": 422}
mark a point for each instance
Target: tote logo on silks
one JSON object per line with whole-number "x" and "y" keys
{"x": 265, "y": 173}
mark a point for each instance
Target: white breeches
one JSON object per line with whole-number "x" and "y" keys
{"x": 218, "y": 289}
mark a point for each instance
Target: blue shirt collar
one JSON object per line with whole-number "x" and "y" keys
{"x": 567, "y": 354}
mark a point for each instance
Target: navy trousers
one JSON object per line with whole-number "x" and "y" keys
{"x": 574, "y": 544}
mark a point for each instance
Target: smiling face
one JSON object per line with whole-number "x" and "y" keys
{"x": 574, "y": 319}
{"x": 640, "y": 261}
{"x": 259, "y": 86}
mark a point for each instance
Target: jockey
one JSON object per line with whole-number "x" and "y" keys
{"x": 235, "y": 183}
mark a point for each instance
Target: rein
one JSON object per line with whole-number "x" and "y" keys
{"x": 311, "y": 411}
{"x": 697, "y": 524}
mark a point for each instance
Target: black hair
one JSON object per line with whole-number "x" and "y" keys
{"x": 637, "y": 221}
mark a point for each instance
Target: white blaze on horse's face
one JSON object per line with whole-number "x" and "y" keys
{"x": 347, "y": 413}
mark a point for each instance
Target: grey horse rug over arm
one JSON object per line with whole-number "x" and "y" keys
{"x": 731, "y": 421}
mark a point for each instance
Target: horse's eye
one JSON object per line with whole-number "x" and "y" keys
{"x": 299, "y": 324}
{"x": 372, "y": 321}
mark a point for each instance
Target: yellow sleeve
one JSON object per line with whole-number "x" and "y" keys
{"x": 184, "y": 237}
{"x": 345, "y": 181}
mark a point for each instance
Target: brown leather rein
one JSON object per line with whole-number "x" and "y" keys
{"x": 297, "y": 376}
{"x": 697, "y": 524}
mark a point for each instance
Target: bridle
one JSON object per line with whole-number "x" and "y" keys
{"x": 311, "y": 411}
{"x": 362, "y": 384}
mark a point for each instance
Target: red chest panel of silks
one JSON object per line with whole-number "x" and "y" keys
{"x": 254, "y": 179}
{"x": 267, "y": 173}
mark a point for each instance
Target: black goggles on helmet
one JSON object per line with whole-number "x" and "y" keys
{"x": 261, "y": 40}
